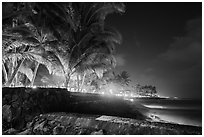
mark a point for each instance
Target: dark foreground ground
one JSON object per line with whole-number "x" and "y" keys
{"x": 39, "y": 111}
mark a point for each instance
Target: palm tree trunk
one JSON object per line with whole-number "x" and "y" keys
{"x": 5, "y": 73}
{"x": 67, "y": 78}
{"x": 78, "y": 84}
{"x": 16, "y": 77}
{"x": 16, "y": 80}
{"x": 66, "y": 82}
{"x": 35, "y": 73}
{"x": 26, "y": 81}
{"x": 14, "y": 73}
{"x": 10, "y": 69}
{"x": 82, "y": 83}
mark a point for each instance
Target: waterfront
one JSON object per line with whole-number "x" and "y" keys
{"x": 181, "y": 111}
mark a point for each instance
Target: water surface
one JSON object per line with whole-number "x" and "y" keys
{"x": 182, "y": 111}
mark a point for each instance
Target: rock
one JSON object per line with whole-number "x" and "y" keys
{"x": 19, "y": 123}
{"x": 8, "y": 97}
{"x": 16, "y": 104}
{"x": 26, "y": 132}
{"x": 39, "y": 126}
{"x": 11, "y": 131}
{"x": 4, "y": 101}
{"x": 6, "y": 113}
{"x": 59, "y": 130}
{"x": 100, "y": 132}
{"x": 28, "y": 90}
{"x": 14, "y": 98}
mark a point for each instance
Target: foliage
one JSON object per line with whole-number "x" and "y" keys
{"x": 123, "y": 78}
{"x": 65, "y": 37}
{"x": 146, "y": 90}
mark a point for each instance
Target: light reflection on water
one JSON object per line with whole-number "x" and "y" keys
{"x": 187, "y": 112}
{"x": 186, "y": 117}
{"x": 154, "y": 106}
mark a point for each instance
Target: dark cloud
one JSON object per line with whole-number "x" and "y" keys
{"x": 186, "y": 51}
{"x": 178, "y": 70}
{"x": 152, "y": 53}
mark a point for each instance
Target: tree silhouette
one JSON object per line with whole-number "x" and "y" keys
{"x": 123, "y": 78}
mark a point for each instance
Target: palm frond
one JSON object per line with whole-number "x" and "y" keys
{"x": 23, "y": 30}
{"x": 27, "y": 71}
{"x": 103, "y": 9}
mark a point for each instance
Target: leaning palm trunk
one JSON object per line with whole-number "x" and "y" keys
{"x": 8, "y": 83}
{"x": 78, "y": 83}
{"x": 67, "y": 78}
{"x": 82, "y": 83}
{"x": 35, "y": 73}
{"x": 16, "y": 77}
{"x": 26, "y": 81}
{"x": 5, "y": 73}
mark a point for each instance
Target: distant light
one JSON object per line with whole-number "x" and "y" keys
{"x": 155, "y": 106}
{"x": 111, "y": 91}
{"x": 34, "y": 87}
{"x": 131, "y": 100}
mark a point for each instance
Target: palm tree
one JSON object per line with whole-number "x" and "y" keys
{"x": 123, "y": 78}
{"x": 34, "y": 30}
{"x": 93, "y": 43}
{"x": 71, "y": 34}
{"x": 17, "y": 47}
{"x": 13, "y": 56}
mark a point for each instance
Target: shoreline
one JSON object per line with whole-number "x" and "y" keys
{"x": 162, "y": 119}
{"x": 176, "y": 116}
{"x": 170, "y": 111}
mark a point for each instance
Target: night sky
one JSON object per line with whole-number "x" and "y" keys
{"x": 162, "y": 46}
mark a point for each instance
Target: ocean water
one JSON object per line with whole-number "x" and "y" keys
{"x": 181, "y": 111}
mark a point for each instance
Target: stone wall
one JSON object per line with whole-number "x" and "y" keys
{"x": 20, "y": 105}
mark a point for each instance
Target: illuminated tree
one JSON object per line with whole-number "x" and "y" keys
{"x": 70, "y": 38}
{"x": 28, "y": 27}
